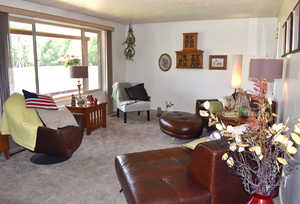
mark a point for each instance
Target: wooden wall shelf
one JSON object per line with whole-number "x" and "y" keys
{"x": 190, "y": 57}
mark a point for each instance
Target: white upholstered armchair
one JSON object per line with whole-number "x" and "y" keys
{"x": 125, "y": 104}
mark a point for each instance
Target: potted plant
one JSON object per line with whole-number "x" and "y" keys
{"x": 262, "y": 150}
{"x": 71, "y": 60}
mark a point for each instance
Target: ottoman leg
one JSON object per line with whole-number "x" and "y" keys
{"x": 125, "y": 117}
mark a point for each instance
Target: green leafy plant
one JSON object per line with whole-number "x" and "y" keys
{"x": 71, "y": 60}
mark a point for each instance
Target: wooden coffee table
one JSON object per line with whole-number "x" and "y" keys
{"x": 94, "y": 115}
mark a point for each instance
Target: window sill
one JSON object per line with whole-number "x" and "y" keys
{"x": 65, "y": 98}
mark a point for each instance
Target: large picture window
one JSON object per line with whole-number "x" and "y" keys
{"x": 22, "y": 58}
{"x": 38, "y": 51}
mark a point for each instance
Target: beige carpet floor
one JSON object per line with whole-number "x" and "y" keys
{"x": 89, "y": 176}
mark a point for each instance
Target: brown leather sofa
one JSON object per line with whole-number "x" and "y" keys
{"x": 179, "y": 175}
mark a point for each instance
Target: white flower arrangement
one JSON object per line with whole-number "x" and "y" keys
{"x": 259, "y": 153}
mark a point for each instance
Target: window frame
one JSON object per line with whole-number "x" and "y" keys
{"x": 84, "y": 47}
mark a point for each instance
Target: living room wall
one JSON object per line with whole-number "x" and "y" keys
{"x": 253, "y": 37}
{"x": 289, "y": 105}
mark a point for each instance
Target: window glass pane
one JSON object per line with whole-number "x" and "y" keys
{"x": 20, "y": 26}
{"x": 22, "y": 73}
{"x": 53, "y": 29}
{"x": 52, "y": 50}
{"x": 93, "y": 60}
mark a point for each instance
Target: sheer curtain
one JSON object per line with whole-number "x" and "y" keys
{"x": 4, "y": 59}
{"x": 109, "y": 70}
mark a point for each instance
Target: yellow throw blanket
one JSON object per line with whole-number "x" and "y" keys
{"x": 20, "y": 122}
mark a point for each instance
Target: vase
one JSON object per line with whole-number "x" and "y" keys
{"x": 260, "y": 199}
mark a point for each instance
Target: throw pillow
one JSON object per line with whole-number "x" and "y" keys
{"x": 33, "y": 100}
{"x": 130, "y": 93}
{"x": 137, "y": 92}
{"x": 215, "y": 106}
{"x": 55, "y": 119}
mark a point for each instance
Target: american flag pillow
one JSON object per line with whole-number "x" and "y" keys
{"x": 33, "y": 100}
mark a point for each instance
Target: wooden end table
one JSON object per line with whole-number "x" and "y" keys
{"x": 94, "y": 115}
{"x": 233, "y": 121}
{"x": 4, "y": 145}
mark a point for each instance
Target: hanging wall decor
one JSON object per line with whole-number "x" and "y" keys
{"x": 129, "y": 51}
{"x": 218, "y": 62}
{"x": 165, "y": 62}
{"x": 190, "y": 57}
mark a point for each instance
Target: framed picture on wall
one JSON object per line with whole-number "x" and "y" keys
{"x": 289, "y": 34}
{"x": 165, "y": 62}
{"x": 295, "y": 34}
{"x": 218, "y": 62}
{"x": 283, "y": 39}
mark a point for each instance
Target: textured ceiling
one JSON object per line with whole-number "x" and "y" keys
{"x": 149, "y": 11}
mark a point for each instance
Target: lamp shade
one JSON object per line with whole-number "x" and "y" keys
{"x": 237, "y": 71}
{"x": 268, "y": 69}
{"x": 79, "y": 72}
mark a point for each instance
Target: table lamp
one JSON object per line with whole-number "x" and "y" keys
{"x": 79, "y": 72}
{"x": 266, "y": 69}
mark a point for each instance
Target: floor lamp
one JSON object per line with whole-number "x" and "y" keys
{"x": 236, "y": 78}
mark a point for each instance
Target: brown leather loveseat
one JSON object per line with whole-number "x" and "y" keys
{"x": 179, "y": 175}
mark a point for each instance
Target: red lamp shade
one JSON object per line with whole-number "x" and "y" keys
{"x": 79, "y": 72}
{"x": 268, "y": 69}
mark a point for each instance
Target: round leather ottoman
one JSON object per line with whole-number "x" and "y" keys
{"x": 181, "y": 124}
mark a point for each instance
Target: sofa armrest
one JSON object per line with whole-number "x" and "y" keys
{"x": 208, "y": 169}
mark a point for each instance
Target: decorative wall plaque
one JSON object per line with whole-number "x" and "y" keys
{"x": 190, "y": 57}
{"x": 165, "y": 62}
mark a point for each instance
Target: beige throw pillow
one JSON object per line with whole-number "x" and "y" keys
{"x": 55, "y": 119}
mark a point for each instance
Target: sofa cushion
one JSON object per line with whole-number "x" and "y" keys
{"x": 215, "y": 106}
{"x": 55, "y": 119}
{"x": 137, "y": 92}
{"x": 135, "y": 106}
{"x": 159, "y": 176}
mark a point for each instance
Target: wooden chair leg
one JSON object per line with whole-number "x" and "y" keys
{"x": 148, "y": 115}
{"x": 125, "y": 117}
{"x": 118, "y": 112}
{"x": 6, "y": 154}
